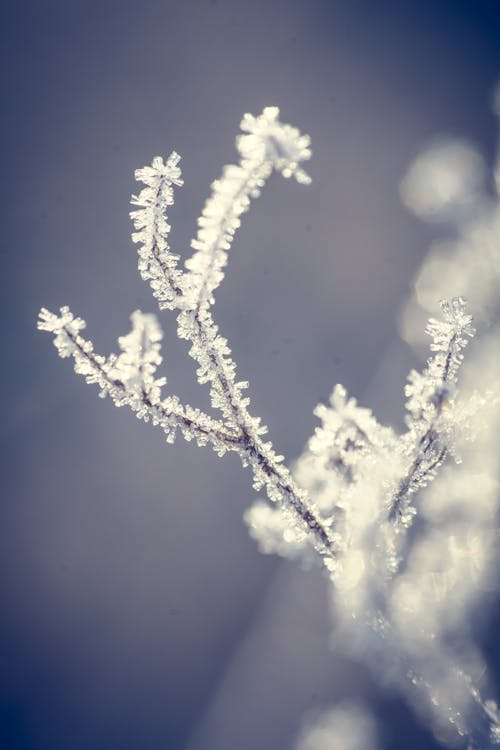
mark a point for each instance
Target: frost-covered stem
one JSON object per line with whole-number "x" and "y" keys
{"x": 291, "y": 496}
{"x": 216, "y": 247}
{"x": 128, "y": 380}
{"x": 418, "y": 472}
{"x": 157, "y": 263}
{"x": 220, "y": 372}
{"x": 450, "y": 354}
{"x": 429, "y": 394}
{"x": 175, "y": 417}
{"x": 168, "y": 275}
{"x": 266, "y": 145}
{"x": 234, "y": 409}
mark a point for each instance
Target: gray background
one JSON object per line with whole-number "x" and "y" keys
{"x": 135, "y": 612}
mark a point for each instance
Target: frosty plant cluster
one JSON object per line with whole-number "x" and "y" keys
{"x": 351, "y": 498}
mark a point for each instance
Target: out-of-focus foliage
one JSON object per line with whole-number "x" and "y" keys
{"x": 348, "y": 726}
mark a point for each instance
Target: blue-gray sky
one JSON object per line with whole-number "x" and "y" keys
{"x": 135, "y": 612}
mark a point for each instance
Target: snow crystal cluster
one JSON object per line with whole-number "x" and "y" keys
{"x": 401, "y": 523}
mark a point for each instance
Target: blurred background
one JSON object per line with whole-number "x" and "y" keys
{"x": 135, "y": 611}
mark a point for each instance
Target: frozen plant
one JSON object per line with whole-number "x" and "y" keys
{"x": 351, "y": 499}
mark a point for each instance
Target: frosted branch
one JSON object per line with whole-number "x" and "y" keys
{"x": 127, "y": 378}
{"x": 267, "y": 145}
{"x": 157, "y": 263}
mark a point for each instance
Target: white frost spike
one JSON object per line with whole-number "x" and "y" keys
{"x": 431, "y": 406}
{"x": 449, "y": 335}
{"x": 282, "y": 145}
{"x": 157, "y": 264}
{"x": 429, "y": 390}
{"x": 65, "y": 327}
{"x": 267, "y": 144}
{"x": 140, "y": 355}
